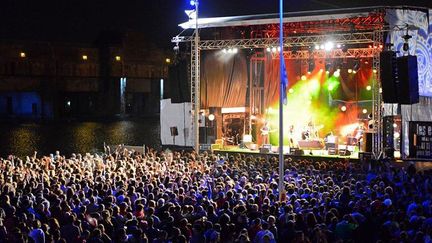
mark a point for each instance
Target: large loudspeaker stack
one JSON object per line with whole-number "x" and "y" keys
{"x": 399, "y": 78}
{"x": 367, "y": 142}
{"x": 389, "y": 76}
{"x": 179, "y": 88}
{"x": 408, "y": 79}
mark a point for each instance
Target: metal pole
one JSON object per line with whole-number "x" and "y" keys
{"x": 281, "y": 97}
{"x": 197, "y": 89}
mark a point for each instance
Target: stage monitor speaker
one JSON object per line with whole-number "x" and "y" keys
{"x": 367, "y": 142}
{"x": 389, "y": 76}
{"x": 344, "y": 152}
{"x": 174, "y": 131}
{"x": 408, "y": 79}
{"x": 263, "y": 150}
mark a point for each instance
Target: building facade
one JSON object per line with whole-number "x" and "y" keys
{"x": 114, "y": 76}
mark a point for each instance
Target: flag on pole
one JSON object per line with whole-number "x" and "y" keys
{"x": 284, "y": 80}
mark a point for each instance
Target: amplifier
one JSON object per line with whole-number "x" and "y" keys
{"x": 263, "y": 150}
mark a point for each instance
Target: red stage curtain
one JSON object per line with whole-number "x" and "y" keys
{"x": 223, "y": 79}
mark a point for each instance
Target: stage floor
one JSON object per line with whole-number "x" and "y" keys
{"x": 307, "y": 153}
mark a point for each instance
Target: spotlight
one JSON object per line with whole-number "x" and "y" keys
{"x": 317, "y": 47}
{"x": 322, "y": 47}
{"x": 22, "y": 54}
{"x": 343, "y": 108}
{"x": 328, "y": 46}
{"x": 338, "y": 45}
{"x": 268, "y": 49}
{"x": 176, "y": 48}
{"x": 337, "y": 73}
{"x": 371, "y": 124}
{"x": 303, "y": 77}
{"x": 224, "y": 50}
{"x": 274, "y": 49}
{"x": 291, "y": 91}
{"x": 235, "y": 50}
{"x": 211, "y": 117}
{"x": 380, "y": 90}
{"x": 394, "y": 125}
{"x": 344, "y": 48}
{"x": 368, "y": 88}
{"x": 350, "y": 70}
{"x": 374, "y": 70}
{"x": 193, "y": 2}
{"x": 364, "y": 111}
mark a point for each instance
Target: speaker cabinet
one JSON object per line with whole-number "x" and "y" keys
{"x": 367, "y": 142}
{"x": 344, "y": 152}
{"x": 263, "y": 150}
{"x": 389, "y": 76}
{"x": 408, "y": 80}
{"x": 179, "y": 88}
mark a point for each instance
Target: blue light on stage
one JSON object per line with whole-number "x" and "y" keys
{"x": 192, "y": 3}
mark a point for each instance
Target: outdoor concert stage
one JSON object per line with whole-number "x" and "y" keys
{"x": 335, "y": 90}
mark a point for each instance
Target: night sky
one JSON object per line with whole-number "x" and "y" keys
{"x": 82, "y": 20}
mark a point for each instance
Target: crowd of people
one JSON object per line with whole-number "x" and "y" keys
{"x": 163, "y": 196}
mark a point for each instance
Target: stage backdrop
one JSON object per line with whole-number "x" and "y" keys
{"x": 223, "y": 79}
{"x": 420, "y": 43}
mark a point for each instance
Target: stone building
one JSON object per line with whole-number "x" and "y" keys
{"x": 120, "y": 74}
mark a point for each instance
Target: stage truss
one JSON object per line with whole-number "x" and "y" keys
{"x": 373, "y": 39}
{"x": 333, "y": 54}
